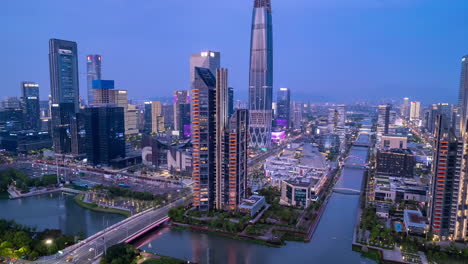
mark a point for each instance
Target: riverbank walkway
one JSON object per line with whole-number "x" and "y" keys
{"x": 15, "y": 194}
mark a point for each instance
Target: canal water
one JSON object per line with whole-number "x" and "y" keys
{"x": 56, "y": 211}
{"x": 330, "y": 244}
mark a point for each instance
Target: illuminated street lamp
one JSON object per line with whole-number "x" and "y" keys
{"x": 48, "y": 241}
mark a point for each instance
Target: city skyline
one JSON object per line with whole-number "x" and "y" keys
{"x": 404, "y": 52}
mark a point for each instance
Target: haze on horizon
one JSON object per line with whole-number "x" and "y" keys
{"x": 324, "y": 50}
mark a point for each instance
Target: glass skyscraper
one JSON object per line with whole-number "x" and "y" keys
{"x": 261, "y": 75}
{"x": 284, "y": 108}
{"x": 30, "y": 101}
{"x": 63, "y": 63}
{"x": 93, "y": 71}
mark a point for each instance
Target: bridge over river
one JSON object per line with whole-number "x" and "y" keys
{"x": 88, "y": 250}
{"x": 347, "y": 191}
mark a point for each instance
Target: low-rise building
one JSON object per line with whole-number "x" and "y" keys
{"x": 301, "y": 173}
{"x": 396, "y": 162}
{"x": 414, "y": 222}
{"x": 25, "y": 140}
{"x": 300, "y": 192}
{"x": 252, "y": 205}
{"x": 399, "y": 189}
{"x": 394, "y": 142}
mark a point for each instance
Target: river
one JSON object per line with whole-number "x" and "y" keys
{"x": 56, "y": 211}
{"x": 331, "y": 242}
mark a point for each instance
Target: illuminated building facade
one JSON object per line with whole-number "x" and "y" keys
{"x": 93, "y": 71}
{"x": 30, "y": 105}
{"x": 261, "y": 75}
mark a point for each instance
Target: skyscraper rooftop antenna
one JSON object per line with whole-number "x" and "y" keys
{"x": 263, "y": 3}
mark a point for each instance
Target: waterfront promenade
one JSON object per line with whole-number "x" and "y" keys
{"x": 15, "y": 194}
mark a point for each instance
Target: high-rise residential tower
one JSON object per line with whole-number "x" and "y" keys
{"x": 30, "y": 105}
{"x": 261, "y": 75}
{"x": 63, "y": 64}
{"x": 235, "y": 160}
{"x": 383, "y": 119}
{"x": 415, "y": 111}
{"x": 203, "y": 96}
{"x": 220, "y": 144}
{"x": 446, "y": 181}
{"x": 283, "y": 115}
{"x": 405, "y": 108}
{"x": 206, "y": 59}
{"x": 93, "y": 71}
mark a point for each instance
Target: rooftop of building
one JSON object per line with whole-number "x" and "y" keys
{"x": 414, "y": 218}
{"x": 251, "y": 201}
{"x": 384, "y": 183}
{"x": 397, "y": 151}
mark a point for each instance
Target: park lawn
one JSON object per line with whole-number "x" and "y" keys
{"x": 95, "y": 207}
{"x": 163, "y": 260}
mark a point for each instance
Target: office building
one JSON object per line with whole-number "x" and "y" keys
{"x": 230, "y": 102}
{"x": 93, "y": 72}
{"x": 168, "y": 116}
{"x": 11, "y": 119}
{"x": 415, "y": 111}
{"x": 383, "y": 120}
{"x": 283, "y": 113}
{"x": 395, "y": 162}
{"x": 180, "y": 97}
{"x": 105, "y": 134}
{"x": 445, "y": 189}
{"x": 103, "y": 92}
{"x": 30, "y": 105}
{"x": 394, "y": 142}
{"x": 261, "y": 75}
{"x": 296, "y": 112}
{"x": 154, "y": 120}
{"x": 64, "y": 86}
{"x": 25, "y": 140}
{"x": 10, "y": 102}
{"x": 131, "y": 120}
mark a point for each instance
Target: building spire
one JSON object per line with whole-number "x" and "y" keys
{"x": 263, "y": 3}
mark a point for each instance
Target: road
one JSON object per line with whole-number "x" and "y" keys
{"x": 91, "y": 248}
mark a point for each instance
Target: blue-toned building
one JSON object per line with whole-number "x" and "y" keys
{"x": 283, "y": 118}
{"x": 64, "y": 87}
{"x": 105, "y": 134}
{"x": 30, "y": 105}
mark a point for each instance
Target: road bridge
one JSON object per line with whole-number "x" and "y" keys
{"x": 88, "y": 250}
{"x": 347, "y": 191}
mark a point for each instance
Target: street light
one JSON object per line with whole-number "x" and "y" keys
{"x": 48, "y": 242}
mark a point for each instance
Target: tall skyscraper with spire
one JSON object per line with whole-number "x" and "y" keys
{"x": 261, "y": 75}
{"x": 93, "y": 72}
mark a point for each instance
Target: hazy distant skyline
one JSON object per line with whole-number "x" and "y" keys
{"x": 335, "y": 50}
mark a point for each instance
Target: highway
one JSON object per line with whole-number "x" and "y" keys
{"x": 91, "y": 248}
